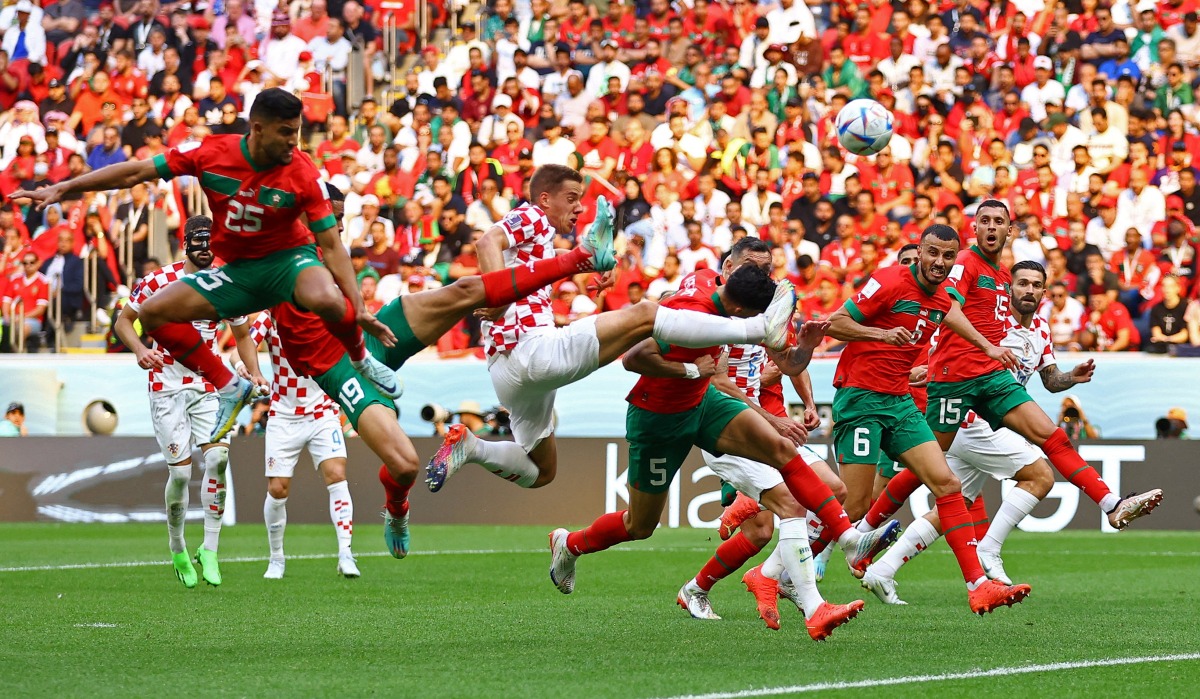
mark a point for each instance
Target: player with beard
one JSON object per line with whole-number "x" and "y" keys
{"x": 887, "y": 327}
{"x": 183, "y": 407}
{"x": 980, "y": 453}
{"x": 969, "y": 370}
{"x": 270, "y": 214}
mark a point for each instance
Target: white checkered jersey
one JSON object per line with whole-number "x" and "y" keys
{"x": 746, "y": 364}
{"x": 292, "y": 394}
{"x": 174, "y": 376}
{"x": 530, "y": 239}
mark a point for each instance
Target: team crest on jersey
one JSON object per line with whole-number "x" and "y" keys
{"x": 173, "y": 448}
{"x": 270, "y": 463}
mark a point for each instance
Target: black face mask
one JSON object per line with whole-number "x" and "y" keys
{"x": 197, "y": 243}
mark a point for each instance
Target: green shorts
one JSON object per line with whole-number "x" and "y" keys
{"x": 871, "y": 427}
{"x": 351, "y": 391}
{"x": 407, "y": 344}
{"x": 991, "y": 396}
{"x": 659, "y": 443}
{"x": 246, "y": 286}
{"x": 887, "y": 466}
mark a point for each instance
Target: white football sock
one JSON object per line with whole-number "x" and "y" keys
{"x": 1109, "y": 502}
{"x": 797, "y": 559}
{"x": 862, "y": 526}
{"x": 694, "y": 329}
{"x": 341, "y": 511}
{"x": 212, "y": 494}
{"x": 177, "y": 496}
{"x": 1015, "y": 507}
{"x": 918, "y": 537}
{"x": 815, "y": 527}
{"x": 505, "y": 459}
{"x": 773, "y": 567}
{"x": 275, "y": 517}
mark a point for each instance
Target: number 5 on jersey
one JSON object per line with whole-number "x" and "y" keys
{"x": 244, "y": 218}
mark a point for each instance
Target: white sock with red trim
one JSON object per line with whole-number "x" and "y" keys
{"x": 341, "y": 511}
{"x": 212, "y": 494}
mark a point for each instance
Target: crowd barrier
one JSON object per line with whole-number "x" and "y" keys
{"x": 1128, "y": 394}
{"x": 118, "y": 479}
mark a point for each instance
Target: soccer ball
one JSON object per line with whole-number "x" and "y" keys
{"x": 864, "y": 127}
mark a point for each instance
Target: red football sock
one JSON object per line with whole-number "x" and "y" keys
{"x": 730, "y": 556}
{"x": 823, "y": 541}
{"x": 396, "y": 493}
{"x": 185, "y": 345}
{"x": 507, "y": 286}
{"x": 816, "y": 497}
{"x": 956, "y": 527}
{"x": 898, "y": 490}
{"x": 1071, "y": 465}
{"x": 607, "y": 531}
{"x": 348, "y": 333}
{"x": 979, "y": 516}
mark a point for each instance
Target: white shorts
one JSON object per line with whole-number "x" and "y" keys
{"x": 979, "y": 453}
{"x": 183, "y": 419}
{"x": 750, "y": 478}
{"x": 286, "y": 437}
{"x": 526, "y": 377}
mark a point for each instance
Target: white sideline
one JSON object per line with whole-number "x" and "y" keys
{"x": 968, "y": 675}
{"x": 487, "y": 552}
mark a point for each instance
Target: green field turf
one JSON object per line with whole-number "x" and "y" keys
{"x": 480, "y": 618}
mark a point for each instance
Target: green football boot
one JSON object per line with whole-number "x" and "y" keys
{"x": 184, "y": 570}
{"x": 211, "y": 570}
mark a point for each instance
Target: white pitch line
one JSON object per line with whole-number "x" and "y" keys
{"x": 318, "y": 556}
{"x": 968, "y": 675}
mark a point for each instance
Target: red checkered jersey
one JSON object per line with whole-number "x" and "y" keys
{"x": 894, "y": 297}
{"x": 530, "y": 238}
{"x": 255, "y": 211}
{"x": 174, "y": 376}
{"x": 697, "y": 292}
{"x": 33, "y": 292}
{"x": 982, "y": 288}
{"x": 293, "y": 394}
{"x": 304, "y": 341}
{"x": 746, "y": 364}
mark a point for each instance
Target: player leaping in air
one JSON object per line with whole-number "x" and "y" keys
{"x": 529, "y": 359}
{"x": 980, "y": 453}
{"x": 183, "y": 407}
{"x": 887, "y": 326}
{"x": 674, "y": 407}
{"x": 258, "y": 187}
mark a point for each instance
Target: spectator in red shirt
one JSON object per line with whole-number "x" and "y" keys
{"x": 868, "y": 225}
{"x": 338, "y": 143}
{"x": 1137, "y": 273}
{"x": 842, "y": 256}
{"x": 1109, "y": 327}
{"x": 27, "y": 293}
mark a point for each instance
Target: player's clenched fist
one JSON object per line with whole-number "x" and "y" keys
{"x": 897, "y": 337}
{"x": 707, "y": 366}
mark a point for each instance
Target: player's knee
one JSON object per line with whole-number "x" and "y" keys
{"x": 216, "y": 458}
{"x": 856, "y": 507}
{"x": 1041, "y": 479}
{"x": 327, "y": 302}
{"x": 151, "y": 314}
{"x": 402, "y": 465}
{"x": 783, "y": 451}
{"x": 278, "y": 487}
{"x": 759, "y": 529}
{"x": 641, "y": 530}
{"x": 645, "y": 313}
{"x": 545, "y": 477}
{"x": 471, "y": 290}
{"x": 334, "y": 471}
{"x": 946, "y": 485}
{"x": 838, "y": 487}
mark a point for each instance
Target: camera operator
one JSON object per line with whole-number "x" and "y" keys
{"x": 1074, "y": 422}
{"x": 258, "y": 417}
{"x": 468, "y": 413}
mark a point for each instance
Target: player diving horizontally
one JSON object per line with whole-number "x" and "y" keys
{"x": 258, "y": 187}
{"x": 529, "y": 358}
{"x": 673, "y": 407}
{"x": 887, "y": 326}
{"x": 418, "y": 320}
{"x": 183, "y": 408}
{"x": 979, "y": 452}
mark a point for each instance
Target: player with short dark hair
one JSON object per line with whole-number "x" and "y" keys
{"x": 183, "y": 408}
{"x": 674, "y": 407}
{"x": 886, "y": 327}
{"x": 259, "y": 186}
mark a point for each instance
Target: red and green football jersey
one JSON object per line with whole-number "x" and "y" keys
{"x": 893, "y": 298}
{"x": 255, "y": 211}
{"x": 697, "y": 292}
{"x": 982, "y": 288}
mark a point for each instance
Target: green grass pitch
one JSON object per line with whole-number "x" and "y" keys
{"x": 473, "y": 614}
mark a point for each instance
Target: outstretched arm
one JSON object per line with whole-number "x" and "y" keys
{"x": 957, "y": 321}
{"x": 795, "y": 360}
{"x": 146, "y": 358}
{"x": 338, "y": 263}
{"x": 784, "y": 426}
{"x": 646, "y": 358}
{"x": 842, "y": 326}
{"x": 119, "y": 176}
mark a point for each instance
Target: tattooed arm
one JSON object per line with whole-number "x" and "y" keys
{"x": 1056, "y": 380}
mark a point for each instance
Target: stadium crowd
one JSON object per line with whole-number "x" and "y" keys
{"x": 703, "y": 121}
